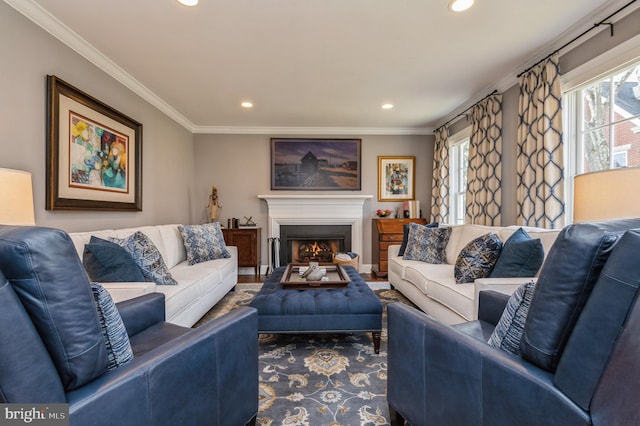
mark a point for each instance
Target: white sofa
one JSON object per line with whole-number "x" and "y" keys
{"x": 200, "y": 286}
{"x": 432, "y": 287}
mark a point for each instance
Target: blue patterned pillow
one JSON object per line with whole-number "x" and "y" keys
{"x": 114, "y": 333}
{"x": 147, "y": 257}
{"x": 203, "y": 242}
{"x": 427, "y": 244}
{"x": 477, "y": 258}
{"x": 508, "y": 332}
{"x": 405, "y": 236}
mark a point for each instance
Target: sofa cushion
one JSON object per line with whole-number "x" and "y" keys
{"x": 565, "y": 283}
{"x": 427, "y": 244}
{"x": 203, "y": 242}
{"x": 46, "y": 273}
{"x": 508, "y": 331}
{"x": 521, "y": 256}
{"x": 405, "y": 236}
{"x": 114, "y": 332}
{"x": 477, "y": 258}
{"x": 106, "y": 261}
{"x": 147, "y": 257}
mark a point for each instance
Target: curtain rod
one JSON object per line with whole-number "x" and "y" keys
{"x": 596, "y": 25}
{"x": 466, "y": 110}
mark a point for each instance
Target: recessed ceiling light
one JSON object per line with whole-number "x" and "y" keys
{"x": 189, "y": 2}
{"x": 460, "y": 5}
{"x": 387, "y": 106}
{"x": 246, "y": 105}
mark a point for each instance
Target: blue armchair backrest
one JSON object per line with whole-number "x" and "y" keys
{"x": 600, "y": 363}
{"x": 26, "y": 370}
{"x": 47, "y": 275}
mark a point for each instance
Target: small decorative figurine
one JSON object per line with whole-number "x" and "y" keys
{"x": 214, "y": 206}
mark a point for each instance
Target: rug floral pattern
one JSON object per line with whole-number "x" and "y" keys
{"x": 317, "y": 379}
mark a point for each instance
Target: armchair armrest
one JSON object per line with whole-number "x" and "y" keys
{"x": 502, "y": 285}
{"x": 491, "y": 305}
{"x": 392, "y": 251}
{"x": 208, "y": 375}
{"x": 433, "y": 370}
{"x": 128, "y": 290}
{"x": 142, "y": 312}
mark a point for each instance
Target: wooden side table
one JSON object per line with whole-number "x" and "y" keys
{"x": 248, "y": 242}
{"x": 384, "y": 233}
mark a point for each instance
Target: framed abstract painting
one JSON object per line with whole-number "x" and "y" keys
{"x": 396, "y": 178}
{"x": 94, "y": 153}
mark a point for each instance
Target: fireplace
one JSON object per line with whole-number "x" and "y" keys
{"x": 306, "y": 243}
{"x": 310, "y": 210}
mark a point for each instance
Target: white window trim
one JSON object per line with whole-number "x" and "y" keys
{"x": 454, "y": 140}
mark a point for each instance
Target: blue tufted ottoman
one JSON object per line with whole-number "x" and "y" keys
{"x": 337, "y": 310}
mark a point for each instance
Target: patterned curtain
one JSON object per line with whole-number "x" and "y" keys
{"x": 540, "y": 184}
{"x": 440, "y": 184}
{"x": 484, "y": 176}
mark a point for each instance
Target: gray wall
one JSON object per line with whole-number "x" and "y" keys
{"x": 239, "y": 166}
{"x": 28, "y": 54}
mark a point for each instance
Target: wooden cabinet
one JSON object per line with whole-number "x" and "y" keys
{"x": 248, "y": 242}
{"x": 384, "y": 233}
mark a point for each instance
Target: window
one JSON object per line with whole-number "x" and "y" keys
{"x": 458, "y": 165}
{"x": 602, "y": 123}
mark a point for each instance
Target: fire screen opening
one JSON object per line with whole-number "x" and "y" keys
{"x": 313, "y": 243}
{"x": 315, "y": 250}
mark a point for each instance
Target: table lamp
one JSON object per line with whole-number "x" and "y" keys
{"x": 605, "y": 195}
{"x": 16, "y": 198}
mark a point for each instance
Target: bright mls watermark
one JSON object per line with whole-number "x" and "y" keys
{"x": 34, "y": 414}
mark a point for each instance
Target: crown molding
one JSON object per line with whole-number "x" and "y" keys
{"x": 66, "y": 35}
{"x": 258, "y": 130}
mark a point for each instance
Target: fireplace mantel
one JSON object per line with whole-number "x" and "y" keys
{"x": 317, "y": 210}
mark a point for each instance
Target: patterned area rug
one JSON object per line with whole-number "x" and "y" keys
{"x": 318, "y": 379}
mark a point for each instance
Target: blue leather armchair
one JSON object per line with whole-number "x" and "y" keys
{"x": 449, "y": 375}
{"x": 52, "y": 350}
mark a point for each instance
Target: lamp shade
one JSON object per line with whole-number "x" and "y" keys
{"x": 16, "y": 198}
{"x": 609, "y": 194}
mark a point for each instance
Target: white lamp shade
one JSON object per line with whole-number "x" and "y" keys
{"x": 605, "y": 195}
{"x": 16, "y": 198}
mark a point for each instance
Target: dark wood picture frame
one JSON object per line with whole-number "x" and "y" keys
{"x": 94, "y": 153}
{"x": 316, "y": 164}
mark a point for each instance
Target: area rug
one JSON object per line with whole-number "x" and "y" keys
{"x": 318, "y": 379}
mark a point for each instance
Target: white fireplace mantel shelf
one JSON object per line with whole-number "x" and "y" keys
{"x": 318, "y": 209}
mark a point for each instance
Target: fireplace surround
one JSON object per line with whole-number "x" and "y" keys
{"x": 316, "y": 210}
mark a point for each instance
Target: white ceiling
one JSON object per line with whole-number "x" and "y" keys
{"x": 322, "y": 65}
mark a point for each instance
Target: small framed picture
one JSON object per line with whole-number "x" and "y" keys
{"x": 396, "y": 178}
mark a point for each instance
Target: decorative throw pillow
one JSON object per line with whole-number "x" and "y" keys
{"x": 405, "y": 236}
{"x": 108, "y": 262}
{"x": 203, "y": 242}
{"x": 521, "y": 256}
{"x": 427, "y": 244}
{"x": 508, "y": 332}
{"x": 114, "y": 333}
{"x": 477, "y": 258}
{"x": 147, "y": 257}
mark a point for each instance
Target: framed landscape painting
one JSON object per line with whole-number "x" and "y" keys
{"x": 315, "y": 164}
{"x": 396, "y": 178}
{"x": 94, "y": 153}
